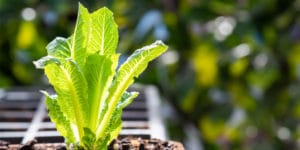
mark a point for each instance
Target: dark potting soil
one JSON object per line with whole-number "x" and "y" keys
{"x": 144, "y": 144}
{"x": 32, "y": 145}
{"x": 123, "y": 144}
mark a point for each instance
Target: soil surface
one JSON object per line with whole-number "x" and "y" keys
{"x": 143, "y": 144}
{"x": 122, "y": 144}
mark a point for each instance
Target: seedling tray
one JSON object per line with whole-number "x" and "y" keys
{"x": 23, "y": 116}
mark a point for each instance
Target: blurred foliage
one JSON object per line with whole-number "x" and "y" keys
{"x": 233, "y": 67}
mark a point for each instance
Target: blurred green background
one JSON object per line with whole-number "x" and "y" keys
{"x": 231, "y": 75}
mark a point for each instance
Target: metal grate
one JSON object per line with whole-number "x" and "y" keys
{"x": 23, "y": 116}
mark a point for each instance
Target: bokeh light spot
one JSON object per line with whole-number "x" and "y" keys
{"x": 28, "y": 14}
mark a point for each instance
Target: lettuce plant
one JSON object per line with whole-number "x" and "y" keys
{"x": 90, "y": 89}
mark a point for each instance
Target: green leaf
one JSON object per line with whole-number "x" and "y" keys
{"x": 131, "y": 69}
{"x": 79, "y": 39}
{"x": 88, "y": 139}
{"x": 115, "y": 124}
{"x": 99, "y": 71}
{"x": 41, "y": 63}
{"x": 127, "y": 99}
{"x": 104, "y": 32}
{"x": 59, "y": 48}
{"x": 62, "y": 124}
{"x": 71, "y": 88}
